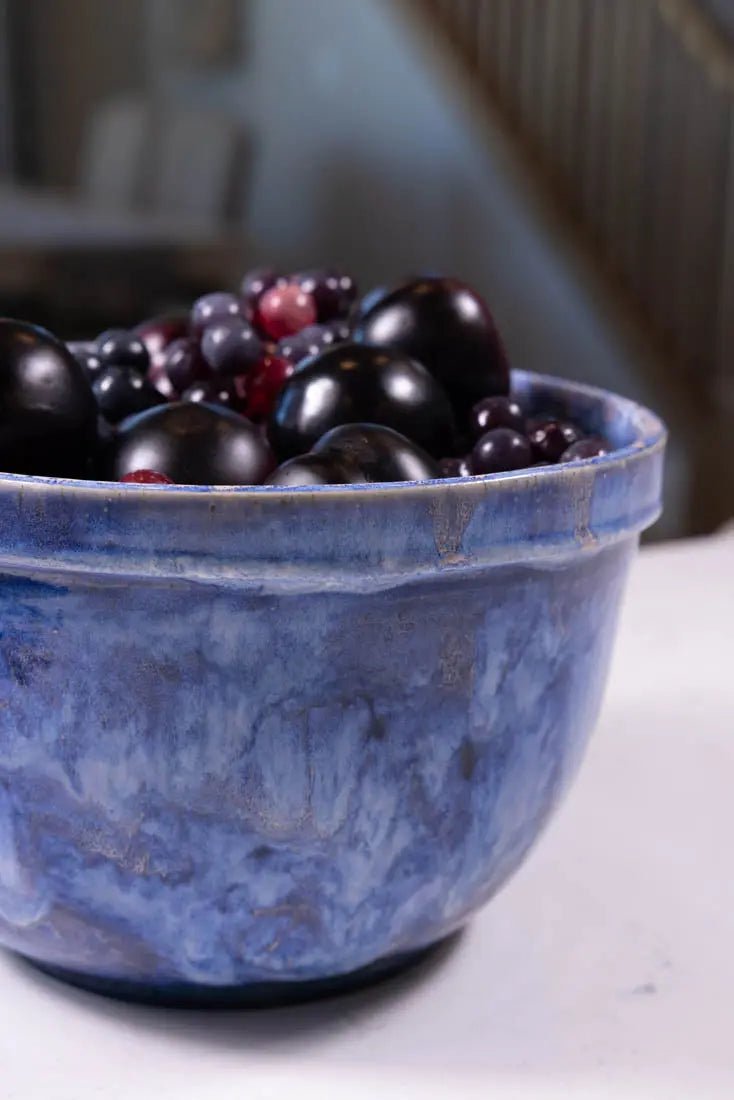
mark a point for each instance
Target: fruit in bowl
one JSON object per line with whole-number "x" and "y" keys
{"x": 298, "y": 659}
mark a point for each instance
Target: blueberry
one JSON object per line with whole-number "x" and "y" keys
{"x": 500, "y": 450}
{"x": 353, "y": 383}
{"x": 550, "y": 438}
{"x": 47, "y": 411}
{"x": 121, "y": 392}
{"x": 119, "y": 348}
{"x": 444, "y": 325}
{"x": 379, "y": 453}
{"x": 193, "y": 445}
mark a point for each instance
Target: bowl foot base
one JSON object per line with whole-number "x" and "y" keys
{"x": 255, "y": 995}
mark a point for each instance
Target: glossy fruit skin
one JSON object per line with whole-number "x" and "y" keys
{"x": 352, "y": 384}
{"x": 146, "y": 477}
{"x": 121, "y": 392}
{"x": 445, "y": 326}
{"x": 334, "y": 292}
{"x": 86, "y": 356}
{"x": 379, "y": 453}
{"x": 254, "y": 285}
{"x": 184, "y": 365}
{"x": 308, "y": 342}
{"x": 122, "y": 348}
{"x": 367, "y": 303}
{"x": 591, "y": 447}
{"x": 264, "y": 386}
{"x": 157, "y": 333}
{"x": 193, "y": 445}
{"x": 231, "y": 348}
{"x": 550, "y": 438}
{"x": 226, "y": 393}
{"x": 48, "y": 413}
{"x": 215, "y": 309}
{"x": 456, "y": 467}
{"x": 314, "y": 469}
{"x": 284, "y": 310}
{"x": 496, "y": 412}
{"x": 501, "y": 450}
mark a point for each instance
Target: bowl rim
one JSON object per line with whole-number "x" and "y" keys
{"x": 650, "y": 436}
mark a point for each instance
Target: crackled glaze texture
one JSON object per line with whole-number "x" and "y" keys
{"x": 259, "y": 736}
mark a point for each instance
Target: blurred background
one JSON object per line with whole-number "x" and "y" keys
{"x": 573, "y": 159}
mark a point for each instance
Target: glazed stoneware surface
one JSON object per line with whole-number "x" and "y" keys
{"x": 252, "y": 737}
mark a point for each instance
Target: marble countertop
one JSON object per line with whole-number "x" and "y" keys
{"x": 605, "y": 968}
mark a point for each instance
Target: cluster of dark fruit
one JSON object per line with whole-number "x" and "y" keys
{"x": 291, "y": 370}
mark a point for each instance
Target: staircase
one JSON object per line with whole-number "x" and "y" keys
{"x": 626, "y": 109}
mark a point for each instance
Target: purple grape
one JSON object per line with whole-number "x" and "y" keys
{"x": 496, "y": 412}
{"x": 500, "y": 450}
{"x": 550, "y": 438}
{"x": 231, "y": 348}
{"x": 333, "y": 292}
{"x": 215, "y": 308}
{"x": 590, "y": 447}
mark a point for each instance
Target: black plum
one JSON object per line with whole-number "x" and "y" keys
{"x": 120, "y": 348}
{"x": 352, "y": 384}
{"x": 122, "y": 392}
{"x": 48, "y": 413}
{"x": 314, "y": 469}
{"x": 500, "y": 450}
{"x": 379, "y": 453}
{"x": 193, "y": 444}
{"x": 445, "y": 326}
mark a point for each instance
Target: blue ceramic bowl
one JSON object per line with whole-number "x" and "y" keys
{"x": 256, "y": 738}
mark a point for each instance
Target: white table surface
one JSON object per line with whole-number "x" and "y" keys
{"x": 605, "y": 969}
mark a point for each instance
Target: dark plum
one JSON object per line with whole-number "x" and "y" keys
{"x": 229, "y": 393}
{"x": 501, "y": 450}
{"x": 496, "y": 412}
{"x": 352, "y": 384}
{"x": 550, "y": 438}
{"x": 590, "y": 447}
{"x": 193, "y": 445}
{"x": 48, "y": 414}
{"x": 366, "y": 304}
{"x": 445, "y": 326}
{"x": 313, "y": 469}
{"x": 122, "y": 392}
{"x": 379, "y": 453}
{"x": 121, "y": 348}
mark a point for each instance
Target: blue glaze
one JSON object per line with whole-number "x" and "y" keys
{"x": 253, "y": 736}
